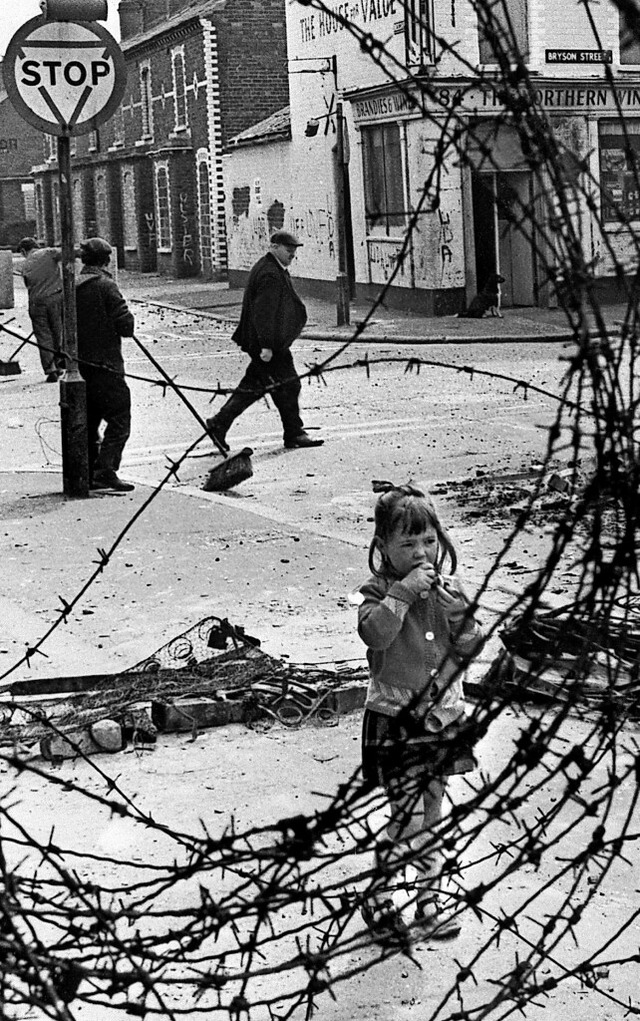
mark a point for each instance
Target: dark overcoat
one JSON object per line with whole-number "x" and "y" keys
{"x": 272, "y": 313}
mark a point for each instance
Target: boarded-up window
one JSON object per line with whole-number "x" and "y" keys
{"x": 383, "y": 176}
{"x": 503, "y": 29}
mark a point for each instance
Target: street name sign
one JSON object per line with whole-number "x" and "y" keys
{"x": 578, "y": 56}
{"x": 64, "y": 77}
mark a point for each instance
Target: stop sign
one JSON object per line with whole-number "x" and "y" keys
{"x": 64, "y": 77}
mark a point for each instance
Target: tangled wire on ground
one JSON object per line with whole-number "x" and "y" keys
{"x": 265, "y": 922}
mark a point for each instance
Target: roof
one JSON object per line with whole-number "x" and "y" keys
{"x": 276, "y": 126}
{"x": 193, "y": 9}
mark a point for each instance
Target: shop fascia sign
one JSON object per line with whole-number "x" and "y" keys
{"x": 474, "y": 100}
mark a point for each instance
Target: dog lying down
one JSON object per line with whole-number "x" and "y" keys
{"x": 486, "y": 300}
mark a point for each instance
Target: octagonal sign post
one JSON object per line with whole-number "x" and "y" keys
{"x": 65, "y": 78}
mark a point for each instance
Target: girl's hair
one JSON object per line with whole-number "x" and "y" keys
{"x": 412, "y": 511}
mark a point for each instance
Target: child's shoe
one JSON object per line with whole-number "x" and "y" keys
{"x": 385, "y": 922}
{"x": 435, "y": 922}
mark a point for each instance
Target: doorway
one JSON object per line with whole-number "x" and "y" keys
{"x": 502, "y": 233}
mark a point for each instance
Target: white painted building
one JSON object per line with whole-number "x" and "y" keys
{"x": 418, "y": 84}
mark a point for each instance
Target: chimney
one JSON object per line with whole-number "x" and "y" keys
{"x": 154, "y": 11}
{"x": 130, "y": 12}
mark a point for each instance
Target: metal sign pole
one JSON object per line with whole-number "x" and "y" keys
{"x": 73, "y": 400}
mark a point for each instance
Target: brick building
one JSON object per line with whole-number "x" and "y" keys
{"x": 150, "y": 179}
{"x": 406, "y": 75}
{"x": 20, "y": 148}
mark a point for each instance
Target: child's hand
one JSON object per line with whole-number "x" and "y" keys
{"x": 421, "y": 580}
{"x": 451, "y": 599}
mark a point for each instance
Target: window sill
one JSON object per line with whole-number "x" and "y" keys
{"x": 143, "y": 141}
{"x": 164, "y": 251}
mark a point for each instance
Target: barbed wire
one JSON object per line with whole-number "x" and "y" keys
{"x": 264, "y": 921}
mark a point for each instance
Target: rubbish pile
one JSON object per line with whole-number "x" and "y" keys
{"x": 212, "y": 674}
{"x": 573, "y": 654}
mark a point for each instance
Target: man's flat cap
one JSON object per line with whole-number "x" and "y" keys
{"x": 283, "y": 237}
{"x": 95, "y": 246}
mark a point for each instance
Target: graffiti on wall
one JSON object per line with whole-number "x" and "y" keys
{"x": 275, "y": 216}
{"x": 186, "y": 240}
{"x": 150, "y": 224}
{"x": 383, "y": 260}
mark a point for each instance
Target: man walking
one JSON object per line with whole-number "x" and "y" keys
{"x": 103, "y": 318}
{"x": 43, "y": 279}
{"x": 272, "y": 317}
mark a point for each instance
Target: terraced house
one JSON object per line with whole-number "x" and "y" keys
{"x": 150, "y": 179}
{"x": 402, "y": 78}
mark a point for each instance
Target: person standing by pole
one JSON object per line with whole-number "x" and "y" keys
{"x": 43, "y": 280}
{"x": 103, "y": 318}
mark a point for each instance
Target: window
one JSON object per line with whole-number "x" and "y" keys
{"x": 503, "y": 28}
{"x": 629, "y": 33}
{"x": 28, "y": 201}
{"x": 55, "y": 204}
{"x": 40, "y": 218}
{"x": 77, "y": 200}
{"x": 94, "y": 141}
{"x": 102, "y": 206}
{"x": 417, "y": 32}
{"x": 179, "y": 87}
{"x": 146, "y": 101}
{"x": 129, "y": 214}
{"x": 118, "y": 127}
{"x": 204, "y": 205}
{"x": 163, "y": 207}
{"x": 619, "y": 170}
{"x": 383, "y": 178}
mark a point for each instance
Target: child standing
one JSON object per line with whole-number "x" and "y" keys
{"x": 419, "y": 633}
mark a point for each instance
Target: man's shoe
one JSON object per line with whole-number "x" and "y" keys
{"x": 302, "y": 440}
{"x": 217, "y": 433}
{"x": 51, "y": 377}
{"x": 108, "y": 479}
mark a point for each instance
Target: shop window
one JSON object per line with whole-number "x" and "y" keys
{"x": 204, "y": 205}
{"x": 629, "y": 39}
{"x": 620, "y": 170}
{"x": 503, "y": 28}
{"x": 385, "y": 206}
{"x": 179, "y": 88}
{"x": 418, "y": 23}
{"x": 163, "y": 208}
{"x": 146, "y": 101}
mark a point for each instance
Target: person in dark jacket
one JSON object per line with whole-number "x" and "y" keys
{"x": 43, "y": 280}
{"x": 272, "y": 317}
{"x": 103, "y": 318}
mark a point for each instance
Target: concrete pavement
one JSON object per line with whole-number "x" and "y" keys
{"x": 385, "y": 324}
